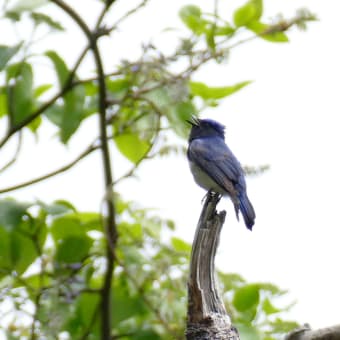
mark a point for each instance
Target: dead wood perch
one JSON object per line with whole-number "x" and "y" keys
{"x": 306, "y": 333}
{"x": 207, "y": 317}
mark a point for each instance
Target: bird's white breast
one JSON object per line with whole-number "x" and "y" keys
{"x": 203, "y": 180}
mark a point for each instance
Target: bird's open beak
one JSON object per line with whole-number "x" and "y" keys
{"x": 193, "y": 121}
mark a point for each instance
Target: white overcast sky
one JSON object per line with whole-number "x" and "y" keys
{"x": 288, "y": 118}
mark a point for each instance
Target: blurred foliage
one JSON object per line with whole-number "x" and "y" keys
{"x": 53, "y": 258}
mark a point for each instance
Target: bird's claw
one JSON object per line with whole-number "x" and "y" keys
{"x": 210, "y": 195}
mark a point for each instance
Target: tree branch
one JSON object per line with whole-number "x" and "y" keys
{"x": 64, "y": 168}
{"x": 306, "y": 333}
{"x": 110, "y": 220}
{"x": 110, "y": 225}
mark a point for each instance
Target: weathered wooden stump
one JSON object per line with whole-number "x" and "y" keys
{"x": 207, "y": 317}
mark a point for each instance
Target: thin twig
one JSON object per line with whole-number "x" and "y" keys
{"x": 16, "y": 154}
{"x": 127, "y": 14}
{"x": 88, "y": 80}
{"x": 102, "y": 14}
{"x": 58, "y": 171}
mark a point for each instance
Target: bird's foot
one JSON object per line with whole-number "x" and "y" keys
{"x": 211, "y": 195}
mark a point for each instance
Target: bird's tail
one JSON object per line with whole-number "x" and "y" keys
{"x": 247, "y": 211}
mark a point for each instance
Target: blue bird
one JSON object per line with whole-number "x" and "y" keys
{"x": 215, "y": 168}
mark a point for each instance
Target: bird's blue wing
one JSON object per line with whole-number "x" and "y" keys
{"x": 214, "y": 157}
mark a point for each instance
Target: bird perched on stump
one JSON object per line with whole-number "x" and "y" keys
{"x": 215, "y": 168}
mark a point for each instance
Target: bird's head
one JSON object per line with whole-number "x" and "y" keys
{"x": 202, "y": 128}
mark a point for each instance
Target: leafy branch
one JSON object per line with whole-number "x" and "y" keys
{"x": 66, "y": 87}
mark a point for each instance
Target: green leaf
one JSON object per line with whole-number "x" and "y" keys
{"x": 6, "y": 53}
{"x": 27, "y": 5}
{"x": 248, "y": 13}
{"x": 90, "y": 221}
{"x": 245, "y": 14}
{"x": 273, "y": 36}
{"x": 206, "y": 92}
{"x": 131, "y": 232}
{"x": 231, "y": 280}
{"x": 153, "y": 229}
{"x": 170, "y": 224}
{"x": 268, "y": 308}
{"x": 182, "y": 111}
{"x": 248, "y": 332}
{"x": 18, "y": 250}
{"x": 55, "y": 114}
{"x": 271, "y": 288}
{"x": 23, "y": 251}
{"x": 259, "y": 8}
{"x": 41, "y": 18}
{"x": 87, "y": 306}
{"x": 59, "y": 207}
{"x": 178, "y": 114}
{"x": 11, "y": 213}
{"x": 20, "y": 94}
{"x": 73, "y": 249}
{"x": 74, "y": 112}
{"x": 225, "y": 30}
{"x": 191, "y": 16}
{"x": 132, "y": 146}
{"x": 36, "y": 281}
{"x": 13, "y": 16}
{"x": 91, "y": 88}
{"x": 5, "y": 250}
{"x": 173, "y": 102}
{"x": 131, "y": 254}
{"x": 40, "y": 90}
{"x": 35, "y": 124}
{"x": 210, "y": 37}
{"x": 246, "y": 297}
{"x": 67, "y": 226}
{"x": 3, "y": 103}
{"x": 180, "y": 245}
{"x": 126, "y": 303}
{"x": 83, "y": 315}
{"x": 68, "y": 116}
{"x": 282, "y": 326}
{"x": 117, "y": 87}
{"x": 60, "y": 67}
{"x": 147, "y": 334}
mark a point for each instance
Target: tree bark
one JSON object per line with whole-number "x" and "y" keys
{"x": 207, "y": 317}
